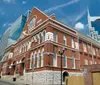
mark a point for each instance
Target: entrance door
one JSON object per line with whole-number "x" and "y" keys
{"x": 23, "y": 68}
{"x": 96, "y": 78}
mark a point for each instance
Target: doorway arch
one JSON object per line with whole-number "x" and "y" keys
{"x": 23, "y": 66}
{"x": 14, "y": 68}
{"x": 65, "y": 74}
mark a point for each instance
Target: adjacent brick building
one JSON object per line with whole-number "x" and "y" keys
{"x": 36, "y": 51}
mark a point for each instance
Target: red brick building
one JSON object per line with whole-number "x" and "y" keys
{"x": 38, "y": 47}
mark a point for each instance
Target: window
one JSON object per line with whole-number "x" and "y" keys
{"x": 31, "y": 64}
{"x": 89, "y": 49}
{"x": 97, "y": 51}
{"x": 44, "y": 33}
{"x": 84, "y": 47}
{"x": 76, "y": 45}
{"x": 38, "y": 59}
{"x": 28, "y": 45}
{"x": 65, "y": 41}
{"x": 10, "y": 55}
{"x": 73, "y": 62}
{"x": 93, "y": 50}
{"x": 35, "y": 55}
{"x": 42, "y": 57}
{"x": 55, "y": 36}
{"x": 86, "y": 62}
{"x": 90, "y": 62}
{"x": 55, "y": 59}
{"x": 72, "y": 43}
{"x": 65, "y": 61}
{"x": 40, "y": 38}
{"x": 35, "y": 38}
{"x": 32, "y": 22}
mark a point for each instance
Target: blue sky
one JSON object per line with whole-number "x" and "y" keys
{"x": 70, "y": 12}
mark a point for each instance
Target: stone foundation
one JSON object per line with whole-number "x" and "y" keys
{"x": 46, "y": 77}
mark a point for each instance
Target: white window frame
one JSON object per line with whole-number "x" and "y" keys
{"x": 85, "y": 61}
{"x": 73, "y": 62}
{"x": 55, "y": 59}
{"x": 40, "y": 35}
{"x": 38, "y": 58}
{"x": 44, "y": 36}
{"x": 84, "y": 47}
{"x": 65, "y": 61}
{"x": 65, "y": 40}
{"x": 56, "y": 40}
{"x": 97, "y": 51}
{"x": 89, "y": 49}
{"x": 73, "y": 43}
{"x": 35, "y": 56}
{"x": 31, "y": 58}
{"x": 90, "y": 62}
{"x": 42, "y": 57}
{"x": 93, "y": 49}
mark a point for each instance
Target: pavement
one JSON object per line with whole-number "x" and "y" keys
{"x": 9, "y": 81}
{"x": 6, "y": 83}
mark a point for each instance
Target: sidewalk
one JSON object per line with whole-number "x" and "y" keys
{"x": 9, "y": 80}
{"x": 17, "y": 82}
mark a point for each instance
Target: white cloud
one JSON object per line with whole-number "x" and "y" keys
{"x": 23, "y": 2}
{"x": 61, "y": 6}
{"x": 9, "y": 1}
{"x": 79, "y": 26}
{"x": 7, "y": 24}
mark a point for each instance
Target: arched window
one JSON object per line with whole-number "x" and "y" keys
{"x": 32, "y": 22}
{"x": 72, "y": 42}
{"x": 40, "y": 38}
{"x": 42, "y": 57}
{"x": 65, "y": 61}
{"x": 35, "y": 55}
{"x": 38, "y": 59}
{"x": 44, "y": 33}
{"x": 55, "y": 59}
{"x": 65, "y": 40}
{"x": 73, "y": 62}
{"x": 31, "y": 58}
{"x": 55, "y": 36}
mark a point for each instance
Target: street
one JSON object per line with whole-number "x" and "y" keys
{"x": 6, "y": 83}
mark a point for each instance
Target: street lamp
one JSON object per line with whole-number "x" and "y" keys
{"x": 61, "y": 53}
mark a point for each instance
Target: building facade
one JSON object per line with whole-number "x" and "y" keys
{"x": 35, "y": 55}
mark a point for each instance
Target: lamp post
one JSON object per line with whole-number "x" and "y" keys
{"x": 61, "y": 53}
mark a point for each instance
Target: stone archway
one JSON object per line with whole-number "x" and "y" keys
{"x": 65, "y": 74}
{"x": 23, "y": 66}
{"x": 14, "y": 68}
